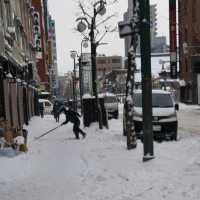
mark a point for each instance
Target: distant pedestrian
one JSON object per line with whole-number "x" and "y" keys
{"x": 73, "y": 117}
{"x": 41, "y": 106}
{"x": 56, "y": 114}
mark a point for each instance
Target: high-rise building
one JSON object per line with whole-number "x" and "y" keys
{"x": 158, "y": 44}
{"x": 52, "y": 57}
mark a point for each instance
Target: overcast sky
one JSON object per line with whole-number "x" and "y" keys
{"x": 65, "y": 13}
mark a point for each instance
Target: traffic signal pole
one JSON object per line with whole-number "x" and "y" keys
{"x": 145, "y": 42}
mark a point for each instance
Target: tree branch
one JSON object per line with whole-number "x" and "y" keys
{"x": 105, "y": 20}
{"x": 83, "y": 10}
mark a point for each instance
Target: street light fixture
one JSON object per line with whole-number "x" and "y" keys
{"x": 98, "y": 8}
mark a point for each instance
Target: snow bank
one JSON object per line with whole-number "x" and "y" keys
{"x": 99, "y": 167}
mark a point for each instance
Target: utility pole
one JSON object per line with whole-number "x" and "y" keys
{"x": 146, "y": 79}
{"x": 74, "y": 86}
{"x": 81, "y": 81}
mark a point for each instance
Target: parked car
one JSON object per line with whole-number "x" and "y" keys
{"x": 164, "y": 119}
{"x": 111, "y": 104}
{"x": 48, "y": 106}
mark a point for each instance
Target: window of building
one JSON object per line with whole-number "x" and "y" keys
{"x": 116, "y": 60}
{"x": 101, "y": 61}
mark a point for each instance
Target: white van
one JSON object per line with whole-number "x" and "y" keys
{"x": 111, "y": 104}
{"x": 164, "y": 119}
{"x": 48, "y": 106}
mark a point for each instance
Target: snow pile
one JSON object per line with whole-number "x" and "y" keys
{"x": 58, "y": 167}
{"x": 188, "y": 107}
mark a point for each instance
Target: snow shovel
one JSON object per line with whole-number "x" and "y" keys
{"x": 36, "y": 138}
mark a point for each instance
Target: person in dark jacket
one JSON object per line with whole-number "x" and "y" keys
{"x": 41, "y": 106}
{"x": 56, "y": 111}
{"x": 73, "y": 117}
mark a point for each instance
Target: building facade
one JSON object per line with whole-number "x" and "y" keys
{"x": 18, "y": 71}
{"x": 111, "y": 74}
{"x": 16, "y": 41}
{"x": 52, "y": 57}
{"x": 40, "y": 41}
{"x": 107, "y": 64}
{"x": 189, "y": 48}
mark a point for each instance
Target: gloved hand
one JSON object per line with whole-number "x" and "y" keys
{"x": 63, "y": 123}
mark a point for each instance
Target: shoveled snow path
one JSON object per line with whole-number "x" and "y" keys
{"x": 57, "y": 167}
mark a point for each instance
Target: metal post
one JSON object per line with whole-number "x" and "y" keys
{"x": 74, "y": 86}
{"x": 146, "y": 79}
{"x": 81, "y": 81}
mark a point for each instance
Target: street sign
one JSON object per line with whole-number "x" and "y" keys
{"x": 125, "y": 28}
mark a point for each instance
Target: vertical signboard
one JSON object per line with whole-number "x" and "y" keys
{"x": 50, "y": 60}
{"x": 37, "y": 35}
{"x": 173, "y": 39}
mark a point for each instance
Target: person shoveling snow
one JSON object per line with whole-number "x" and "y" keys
{"x": 73, "y": 117}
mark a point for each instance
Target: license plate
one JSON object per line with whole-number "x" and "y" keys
{"x": 156, "y": 128}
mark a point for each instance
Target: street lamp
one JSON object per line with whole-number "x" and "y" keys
{"x": 84, "y": 43}
{"x": 73, "y": 56}
{"x": 98, "y": 8}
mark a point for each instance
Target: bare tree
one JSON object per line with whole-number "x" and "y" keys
{"x": 90, "y": 24}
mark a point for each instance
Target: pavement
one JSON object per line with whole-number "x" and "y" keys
{"x": 188, "y": 120}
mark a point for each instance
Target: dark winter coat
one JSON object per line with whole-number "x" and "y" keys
{"x": 71, "y": 116}
{"x": 41, "y": 106}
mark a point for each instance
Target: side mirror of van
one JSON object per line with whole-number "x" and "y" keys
{"x": 176, "y": 106}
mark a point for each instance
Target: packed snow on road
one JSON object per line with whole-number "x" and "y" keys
{"x": 99, "y": 167}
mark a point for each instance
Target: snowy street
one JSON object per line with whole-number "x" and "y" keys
{"x": 58, "y": 167}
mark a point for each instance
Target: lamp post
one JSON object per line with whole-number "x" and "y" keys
{"x": 73, "y": 56}
{"x": 98, "y": 9}
{"x": 84, "y": 43}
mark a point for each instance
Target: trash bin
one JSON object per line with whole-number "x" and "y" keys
{"x": 90, "y": 114}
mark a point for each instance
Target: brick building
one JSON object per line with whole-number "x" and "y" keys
{"x": 18, "y": 72}
{"x": 106, "y": 64}
{"x": 189, "y": 31}
{"x": 40, "y": 37}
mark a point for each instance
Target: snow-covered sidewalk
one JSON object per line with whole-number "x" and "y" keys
{"x": 58, "y": 167}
